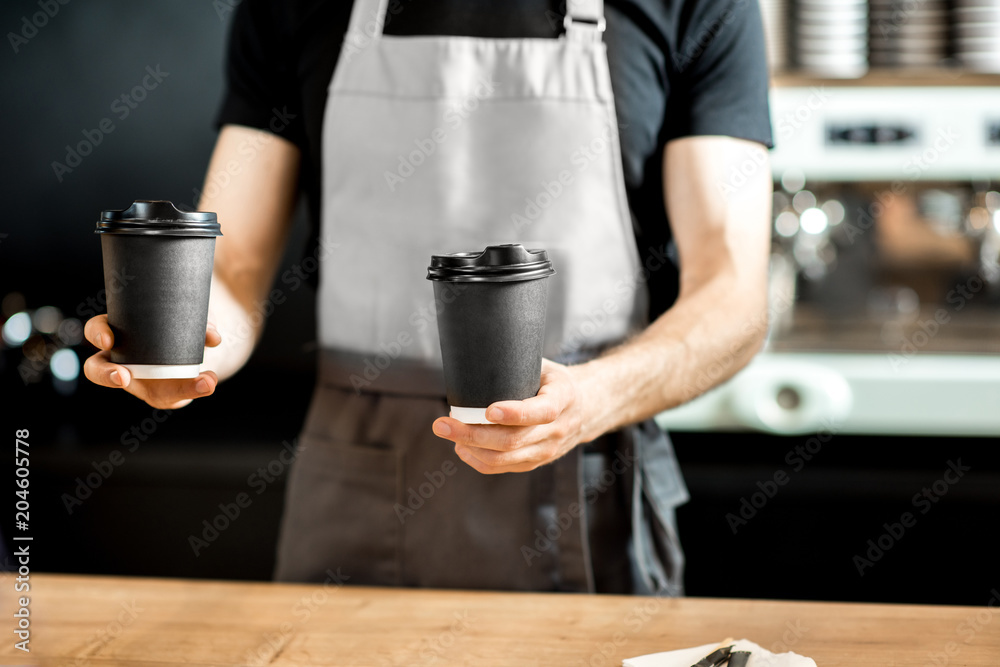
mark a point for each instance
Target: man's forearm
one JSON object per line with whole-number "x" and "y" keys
{"x": 708, "y": 335}
{"x": 239, "y": 328}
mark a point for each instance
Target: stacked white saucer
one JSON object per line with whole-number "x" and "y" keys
{"x": 831, "y": 37}
{"x": 775, "y": 15}
{"x": 977, "y": 34}
{"x": 908, "y": 33}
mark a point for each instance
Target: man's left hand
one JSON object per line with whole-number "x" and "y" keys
{"x": 524, "y": 434}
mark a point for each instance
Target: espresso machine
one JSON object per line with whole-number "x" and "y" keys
{"x": 885, "y": 274}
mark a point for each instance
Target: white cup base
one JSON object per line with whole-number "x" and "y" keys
{"x": 163, "y": 371}
{"x": 469, "y": 415}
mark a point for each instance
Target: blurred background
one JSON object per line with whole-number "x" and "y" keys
{"x": 881, "y": 373}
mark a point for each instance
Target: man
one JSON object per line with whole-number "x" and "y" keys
{"x": 417, "y": 128}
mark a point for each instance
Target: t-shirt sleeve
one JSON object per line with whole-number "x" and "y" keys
{"x": 260, "y": 73}
{"x": 720, "y": 72}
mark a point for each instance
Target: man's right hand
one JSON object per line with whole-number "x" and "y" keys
{"x": 161, "y": 394}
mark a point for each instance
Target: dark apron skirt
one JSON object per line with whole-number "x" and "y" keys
{"x": 374, "y": 493}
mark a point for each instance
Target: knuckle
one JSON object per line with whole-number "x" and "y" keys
{"x": 499, "y": 459}
{"x": 477, "y": 465}
{"x": 512, "y": 441}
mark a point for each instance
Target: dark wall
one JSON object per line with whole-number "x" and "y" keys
{"x": 822, "y": 517}
{"x": 135, "y": 516}
{"x": 63, "y": 89}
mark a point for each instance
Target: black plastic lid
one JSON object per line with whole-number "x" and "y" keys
{"x": 496, "y": 264}
{"x": 158, "y": 218}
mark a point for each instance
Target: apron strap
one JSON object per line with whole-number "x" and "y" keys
{"x": 584, "y": 20}
{"x": 367, "y": 20}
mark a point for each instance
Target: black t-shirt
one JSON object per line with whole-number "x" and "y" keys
{"x": 678, "y": 68}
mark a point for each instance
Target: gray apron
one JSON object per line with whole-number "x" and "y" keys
{"x": 449, "y": 144}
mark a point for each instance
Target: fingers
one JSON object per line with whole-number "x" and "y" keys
{"x": 540, "y": 409}
{"x": 486, "y": 436}
{"x": 172, "y": 394}
{"x": 544, "y": 408}
{"x": 489, "y": 462}
{"x": 99, "y": 370}
{"x": 163, "y": 394}
{"x": 98, "y": 333}
{"x": 524, "y": 434}
{"x": 212, "y": 336}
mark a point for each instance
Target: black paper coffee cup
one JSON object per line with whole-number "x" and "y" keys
{"x": 157, "y": 276}
{"x": 491, "y": 321}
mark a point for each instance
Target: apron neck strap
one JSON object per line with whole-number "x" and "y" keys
{"x": 367, "y": 20}
{"x": 584, "y": 20}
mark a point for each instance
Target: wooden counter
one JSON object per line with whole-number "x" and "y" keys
{"x": 105, "y": 621}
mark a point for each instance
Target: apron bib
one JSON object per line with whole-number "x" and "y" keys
{"x": 435, "y": 145}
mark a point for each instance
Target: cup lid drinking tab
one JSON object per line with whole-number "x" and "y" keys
{"x": 497, "y": 263}
{"x": 158, "y": 218}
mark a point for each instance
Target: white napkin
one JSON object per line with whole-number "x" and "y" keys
{"x": 686, "y": 657}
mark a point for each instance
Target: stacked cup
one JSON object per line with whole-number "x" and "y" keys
{"x": 775, "y": 15}
{"x": 908, "y": 33}
{"x": 832, "y": 37}
{"x": 977, "y": 34}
